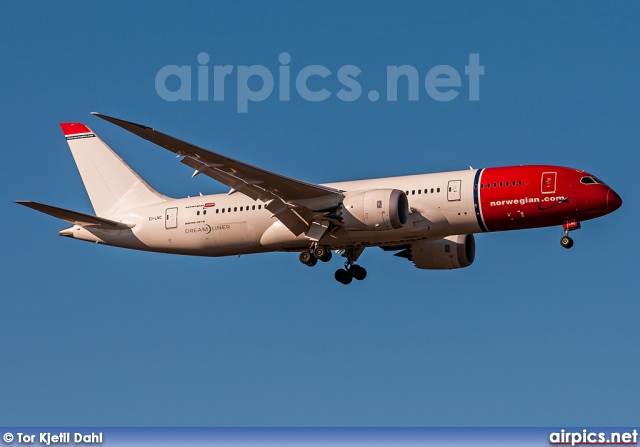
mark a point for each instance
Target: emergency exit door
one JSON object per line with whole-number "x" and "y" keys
{"x": 171, "y": 218}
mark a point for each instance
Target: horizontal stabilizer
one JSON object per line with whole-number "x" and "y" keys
{"x": 74, "y": 217}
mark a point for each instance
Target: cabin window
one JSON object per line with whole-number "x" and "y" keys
{"x": 438, "y": 189}
{"x": 197, "y": 213}
{"x": 223, "y": 210}
{"x": 419, "y": 191}
{"x": 259, "y": 207}
{"x": 413, "y": 193}
{"x": 217, "y": 210}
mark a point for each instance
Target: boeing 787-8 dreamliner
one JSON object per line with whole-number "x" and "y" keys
{"x": 429, "y": 219}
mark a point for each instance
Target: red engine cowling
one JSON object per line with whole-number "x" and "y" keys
{"x": 374, "y": 209}
{"x": 451, "y": 252}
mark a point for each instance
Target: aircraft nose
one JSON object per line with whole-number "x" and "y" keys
{"x": 614, "y": 201}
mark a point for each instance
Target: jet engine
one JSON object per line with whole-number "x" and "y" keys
{"x": 451, "y": 252}
{"x": 374, "y": 209}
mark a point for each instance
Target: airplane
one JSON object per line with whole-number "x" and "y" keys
{"x": 430, "y": 219}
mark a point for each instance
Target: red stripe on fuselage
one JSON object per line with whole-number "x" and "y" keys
{"x": 518, "y": 197}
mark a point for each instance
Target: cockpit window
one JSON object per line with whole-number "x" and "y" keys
{"x": 590, "y": 181}
{"x": 598, "y": 180}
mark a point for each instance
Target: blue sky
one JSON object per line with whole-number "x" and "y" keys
{"x": 530, "y": 335}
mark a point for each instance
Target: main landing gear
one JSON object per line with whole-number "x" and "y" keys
{"x": 565, "y": 240}
{"x": 350, "y": 272}
{"x": 311, "y": 257}
{"x": 345, "y": 275}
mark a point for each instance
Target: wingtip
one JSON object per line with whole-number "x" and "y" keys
{"x": 119, "y": 122}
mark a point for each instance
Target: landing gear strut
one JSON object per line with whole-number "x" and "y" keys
{"x": 565, "y": 240}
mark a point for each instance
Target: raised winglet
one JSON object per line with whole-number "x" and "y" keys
{"x": 74, "y": 128}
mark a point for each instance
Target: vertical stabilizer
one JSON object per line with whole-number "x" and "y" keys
{"x": 111, "y": 183}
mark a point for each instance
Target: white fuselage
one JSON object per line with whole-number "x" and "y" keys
{"x": 222, "y": 224}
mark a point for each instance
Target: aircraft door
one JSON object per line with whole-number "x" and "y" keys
{"x": 453, "y": 191}
{"x": 171, "y": 218}
{"x": 548, "y": 185}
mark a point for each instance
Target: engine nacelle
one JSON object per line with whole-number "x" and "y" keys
{"x": 374, "y": 209}
{"x": 452, "y": 252}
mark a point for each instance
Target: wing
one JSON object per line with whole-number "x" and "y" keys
{"x": 294, "y": 202}
{"x": 76, "y": 218}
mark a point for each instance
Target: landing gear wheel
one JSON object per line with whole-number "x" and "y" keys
{"x": 566, "y": 242}
{"x": 305, "y": 257}
{"x": 312, "y": 262}
{"x": 342, "y": 276}
{"x": 569, "y": 225}
{"x": 319, "y": 252}
{"x": 358, "y": 272}
{"x": 327, "y": 256}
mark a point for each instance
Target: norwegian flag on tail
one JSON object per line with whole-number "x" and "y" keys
{"x": 74, "y": 128}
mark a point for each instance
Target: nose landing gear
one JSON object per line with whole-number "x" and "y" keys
{"x": 565, "y": 240}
